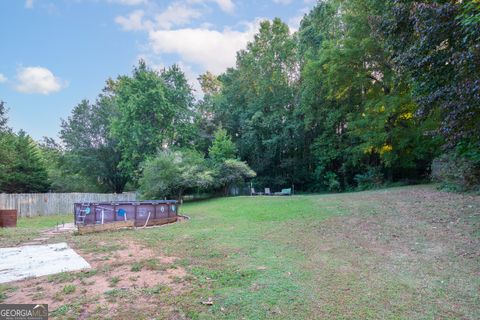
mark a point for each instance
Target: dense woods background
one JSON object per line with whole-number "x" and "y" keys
{"x": 365, "y": 93}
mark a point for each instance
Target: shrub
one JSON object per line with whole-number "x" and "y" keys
{"x": 456, "y": 173}
{"x": 371, "y": 179}
{"x": 331, "y": 181}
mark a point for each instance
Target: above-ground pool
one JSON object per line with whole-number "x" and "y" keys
{"x": 107, "y": 215}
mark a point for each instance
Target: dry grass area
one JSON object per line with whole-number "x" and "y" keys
{"x": 400, "y": 253}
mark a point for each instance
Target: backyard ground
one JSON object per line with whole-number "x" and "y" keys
{"x": 400, "y": 253}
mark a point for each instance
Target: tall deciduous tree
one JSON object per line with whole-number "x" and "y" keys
{"x": 435, "y": 43}
{"x": 154, "y": 112}
{"x": 90, "y": 149}
{"x": 258, "y": 107}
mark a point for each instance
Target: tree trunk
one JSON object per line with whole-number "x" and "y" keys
{"x": 180, "y": 193}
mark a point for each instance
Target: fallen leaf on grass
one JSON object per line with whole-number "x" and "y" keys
{"x": 209, "y": 302}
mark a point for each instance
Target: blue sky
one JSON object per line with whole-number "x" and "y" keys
{"x": 56, "y": 53}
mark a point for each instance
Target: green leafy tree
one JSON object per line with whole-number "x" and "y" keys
{"x": 154, "y": 112}
{"x": 435, "y": 43}
{"x": 222, "y": 147}
{"x": 90, "y": 149}
{"x": 231, "y": 172}
{"x": 172, "y": 173}
{"x": 358, "y": 108}
{"x": 258, "y": 106}
{"x": 228, "y": 170}
{"x": 64, "y": 175}
{"x": 26, "y": 172}
{"x": 206, "y": 115}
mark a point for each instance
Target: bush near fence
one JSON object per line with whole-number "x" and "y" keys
{"x": 44, "y": 204}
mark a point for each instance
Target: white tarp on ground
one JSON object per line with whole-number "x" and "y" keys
{"x": 38, "y": 260}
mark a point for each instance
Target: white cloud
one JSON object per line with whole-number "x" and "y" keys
{"x": 129, "y": 2}
{"x": 176, "y": 14}
{"x": 133, "y": 22}
{"x": 294, "y": 22}
{"x": 210, "y": 49}
{"x": 226, "y": 5}
{"x": 29, "y": 4}
{"x": 3, "y": 79}
{"x": 284, "y": 2}
{"x": 38, "y": 80}
{"x": 192, "y": 78}
{"x": 198, "y": 48}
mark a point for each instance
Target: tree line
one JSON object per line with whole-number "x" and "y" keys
{"x": 364, "y": 94}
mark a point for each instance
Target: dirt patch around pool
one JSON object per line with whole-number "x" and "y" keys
{"x": 125, "y": 282}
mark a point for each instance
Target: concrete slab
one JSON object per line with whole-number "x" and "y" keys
{"x": 38, "y": 260}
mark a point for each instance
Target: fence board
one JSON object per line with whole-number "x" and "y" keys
{"x": 44, "y": 204}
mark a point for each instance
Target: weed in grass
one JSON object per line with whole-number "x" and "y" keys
{"x": 87, "y": 274}
{"x": 106, "y": 268}
{"x": 69, "y": 288}
{"x": 60, "y": 311}
{"x": 113, "y": 294}
{"x": 61, "y": 277}
{"x": 151, "y": 264}
{"x": 176, "y": 279}
{"x": 157, "y": 289}
{"x": 4, "y": 289}
{"x": 184, "y": 262}
{"x": 136, "y": 267}
{"x": 114, "y": 281}
{"x": 100, "y": 248}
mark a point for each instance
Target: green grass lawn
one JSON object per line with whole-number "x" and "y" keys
{"x": 400, "y": 253}
{"x": 30, "y": 228}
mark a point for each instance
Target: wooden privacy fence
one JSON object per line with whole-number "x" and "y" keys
{"x": 44, "y": 204}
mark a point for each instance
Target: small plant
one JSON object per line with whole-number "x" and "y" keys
{"x": 111, "y": 295}
{"x": 106, "y": 268}
{"x": 87, "y": 274}
{"x": 151, "y": 264}
{"x": 60, "y": 311}
{"x": 61, "y": 277}
{"x": 3, "y": 291}
{"x": 114, "y": 281}
{"x": 69, "y": 288}
{"x": 371, "y": 179}
{"x": 136, "y": 267}
{"x": 157, "y": 289}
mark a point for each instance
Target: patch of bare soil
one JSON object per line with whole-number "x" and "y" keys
{"x": 128, "y": 283}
